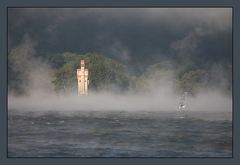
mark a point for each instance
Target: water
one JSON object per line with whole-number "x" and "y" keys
{"x": 119, "y": 134}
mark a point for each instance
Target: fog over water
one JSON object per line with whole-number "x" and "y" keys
{"x": 142, "y": 60}
{"x": 160, "y": 95}
{"x": 207, "y": 101}
{"x": 212, "y": 101}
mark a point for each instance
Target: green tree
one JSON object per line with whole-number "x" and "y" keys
{"x": 192, "y": 80}
{"x": 104, "y": 73}
{"x": 65, "y": 78}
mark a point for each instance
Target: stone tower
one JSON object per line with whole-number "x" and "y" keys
{"x": 82, "y": 77}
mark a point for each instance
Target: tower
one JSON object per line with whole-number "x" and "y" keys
{"x": 82, "y": 77}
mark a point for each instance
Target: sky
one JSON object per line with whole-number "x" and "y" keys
{"x": 135, "y": 36}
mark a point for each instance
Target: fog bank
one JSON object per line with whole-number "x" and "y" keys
{"x": 106, "y": 101}
{"x": 157, "y": 94}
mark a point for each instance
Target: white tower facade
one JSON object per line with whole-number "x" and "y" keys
{"x": 82, "y": 77}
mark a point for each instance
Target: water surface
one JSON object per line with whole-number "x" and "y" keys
{"x": 119, "y": 134}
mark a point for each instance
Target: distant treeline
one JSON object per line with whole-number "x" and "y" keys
{"x": 108, "y": 74}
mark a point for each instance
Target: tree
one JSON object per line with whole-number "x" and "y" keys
{"x": 104, "y": 73}
{"x": 65, "y": 78}
{"x": 192, "y": 80}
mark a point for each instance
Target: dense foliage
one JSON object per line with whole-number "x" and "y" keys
{"x": 108, "y": 74}
{"x": 104, "y": 73}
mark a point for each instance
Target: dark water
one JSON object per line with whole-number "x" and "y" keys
{"x": 119, "y": 134}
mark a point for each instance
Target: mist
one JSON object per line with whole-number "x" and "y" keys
{"x": 158, "y": 94}
{"x": 160, "y": 82}
{"x": 104, "y": 101}
{"x": 181, "y": 34}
